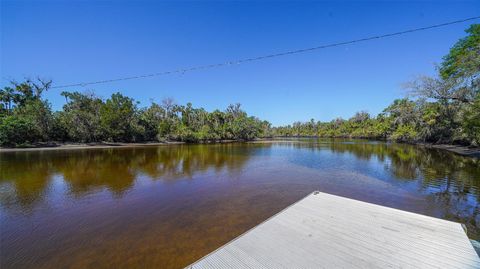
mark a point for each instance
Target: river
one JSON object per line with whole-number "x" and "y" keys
{"x": 167, "y": 206}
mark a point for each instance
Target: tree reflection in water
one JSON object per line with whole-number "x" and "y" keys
{"x": 26, "y": 176}
{"x": 166, "y": 206}
{"x": 449, "y": 181}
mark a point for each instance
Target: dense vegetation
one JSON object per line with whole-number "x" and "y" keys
{"x": 26, "y": 118}
{"x": 442, "y": 109}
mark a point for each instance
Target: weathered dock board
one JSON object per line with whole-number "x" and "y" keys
{"x": 328, "y": 231}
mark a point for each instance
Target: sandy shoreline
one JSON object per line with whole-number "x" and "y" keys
{"x": 102, "y": 145}
{"x": 460, "y": 150}
{"x": 89, "y": 146}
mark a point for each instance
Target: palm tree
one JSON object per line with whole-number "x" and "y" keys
{"x": 6, "y": 97}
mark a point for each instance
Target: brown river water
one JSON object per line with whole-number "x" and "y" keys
{"x": 167, "y": 206}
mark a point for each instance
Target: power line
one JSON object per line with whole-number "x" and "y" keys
{"x": 246, "y": 60}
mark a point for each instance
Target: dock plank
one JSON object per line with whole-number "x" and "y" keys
{"x": 328, "y": 231}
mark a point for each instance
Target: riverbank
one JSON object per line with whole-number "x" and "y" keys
{"x": 100, "y": 145}
{"x": 473, "y": 152}
{"x": 71, "y": 146}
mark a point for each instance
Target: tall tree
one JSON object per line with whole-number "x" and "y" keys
{"x": 118, "y": 118}
{"x": 81, "y": 116}
{"x": 463, "y": 59}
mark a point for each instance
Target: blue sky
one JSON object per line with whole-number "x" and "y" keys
{"x": 78, "y": 41}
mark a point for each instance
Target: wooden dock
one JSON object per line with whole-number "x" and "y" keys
{"x": 328, "y": 231}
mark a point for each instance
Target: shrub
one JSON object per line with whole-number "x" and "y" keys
{"x": 16, "y": 130}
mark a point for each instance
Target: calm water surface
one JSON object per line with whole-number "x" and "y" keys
{"x": 167, "y": 206}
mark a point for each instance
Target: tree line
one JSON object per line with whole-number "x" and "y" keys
{"x": 26, "y": 118}
{"x": 440, "y": 109}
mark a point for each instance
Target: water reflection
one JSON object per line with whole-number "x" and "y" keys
{"x": 168, "y": 206}
{"x": 450, "y": 182}
{"x": 26, "y": 176}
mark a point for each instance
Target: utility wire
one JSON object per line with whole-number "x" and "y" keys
{"x": 246, "y": 60}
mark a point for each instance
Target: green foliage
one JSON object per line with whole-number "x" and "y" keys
{"x": 245, "y": 128}
{"x": 16, "y": 130}
{"x": 24, "y": 116}
{"x": 118, "y": 119}
{"x": 405, "y": 133}
{"x": 21, "y": 93}
{"x": 445, "y": 109}
{"x": 40, "y": 114}
{"x": 471, "y": 122}
{"x": 7, "y": 96}
{"x": 80, "y": 117}
{"x": 28, "y": 119}
{"x": 150, "y": 118}
{"x": 464, "y": 56}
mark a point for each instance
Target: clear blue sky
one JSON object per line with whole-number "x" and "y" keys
{"x": 78, "y": 41}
